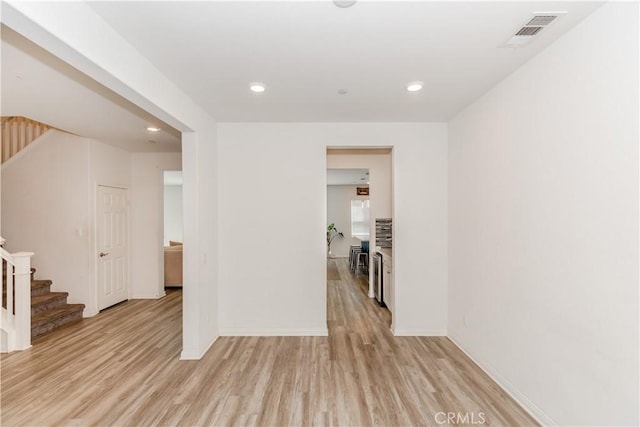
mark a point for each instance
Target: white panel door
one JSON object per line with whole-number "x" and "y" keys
{"x": 113, "y": 246}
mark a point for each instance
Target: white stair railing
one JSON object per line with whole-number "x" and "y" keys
{"x": 18, "y": 132}
{"x": 15, "y": 319}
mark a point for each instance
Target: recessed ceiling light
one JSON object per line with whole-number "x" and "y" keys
{"x": 344, "y": 3}
{"x": 153, "y": 129}
{"x": 257, "y": 87}
{"x": 414, "y": 86}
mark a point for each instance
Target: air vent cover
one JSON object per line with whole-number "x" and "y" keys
{"x": 541, "y": 20}
{"x": 530, "y": 29}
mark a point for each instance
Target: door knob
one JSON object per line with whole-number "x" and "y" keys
{"x": 103, "y": 254}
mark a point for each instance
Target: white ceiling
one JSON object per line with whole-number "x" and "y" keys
{"x": 37, "y": 85}
{"x": 306, "y": 51}
{"x": 348, "y": 177}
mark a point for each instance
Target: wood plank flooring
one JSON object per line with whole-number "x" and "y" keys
{"x": 122, "y": 367}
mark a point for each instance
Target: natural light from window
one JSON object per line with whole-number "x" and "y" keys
{"x": 360, "y": 218}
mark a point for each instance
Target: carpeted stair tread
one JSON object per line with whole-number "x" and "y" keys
{"x": 47, "y": 321}
{"x": 49, "y": 310}
{"x": 48, "y": 301}
{"x": 56, "y": 313}
{"x": 38, "y": 299}
{"x": 40, "y": 287}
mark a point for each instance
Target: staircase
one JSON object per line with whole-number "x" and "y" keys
{"x": 16, "y": 133}
{"x": 49, "y": 310}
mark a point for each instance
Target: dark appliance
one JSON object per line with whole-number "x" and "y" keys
{"x": 378, "y": 285}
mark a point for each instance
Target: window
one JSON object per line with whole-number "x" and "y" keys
{"x": 359, "y": 218}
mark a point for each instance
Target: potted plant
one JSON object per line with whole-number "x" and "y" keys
{"x": 332, "y": 233}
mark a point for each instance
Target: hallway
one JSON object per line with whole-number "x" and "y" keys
{"x": 122, "y": 368}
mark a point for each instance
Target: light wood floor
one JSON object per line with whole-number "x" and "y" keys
{"x": 121, "y": 368}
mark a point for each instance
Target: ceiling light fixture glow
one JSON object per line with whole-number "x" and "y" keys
{"x": 414, "y": 86}
{"x": 257, "y": 87}
{"x": 344, "y": 3}
{"x": 153, "y": 129}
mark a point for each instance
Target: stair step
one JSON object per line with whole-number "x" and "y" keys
{"x": 46, "y": 321}
{"x": 40, "y": 287}
{"x": 49, "y": 310}
{"x": 48, "y": 301}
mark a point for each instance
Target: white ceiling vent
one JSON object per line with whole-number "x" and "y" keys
{"x": 541, "y": 20}
{"x": 530, "y": 29}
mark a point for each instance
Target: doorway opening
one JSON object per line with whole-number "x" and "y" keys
{"x": 359, "y": 221}
{"x": 173, "y": 229}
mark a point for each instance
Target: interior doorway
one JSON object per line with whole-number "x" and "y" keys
{"x": 172, "y": 207}
{"x": 359, "y": 196}
{"x": 172, "y": 232}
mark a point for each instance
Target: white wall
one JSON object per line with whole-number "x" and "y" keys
{"x": 543, "y": 226}
{"x": 147, "y": 219}
{"x": 49, "y": 192}
{"x": 339, "y": 212}
{"x": 272, "y": 224}
{"x": 172, "y": 213}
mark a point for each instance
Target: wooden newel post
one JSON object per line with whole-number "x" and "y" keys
{"x": 23, "y": 299}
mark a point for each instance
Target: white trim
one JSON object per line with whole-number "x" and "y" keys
{"x": 148, "y": 296}
{"x": 418, "y": 333}
{"x": 187, "y": 355}
{"x": 250, "y": 332}
{"x": 522, "y": 400}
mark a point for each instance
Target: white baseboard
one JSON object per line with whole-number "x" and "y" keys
{"x": 195, "y": 355}
{"x": 530, "y": 407}
{"x": 148, "y": 296}
{"x": 419, "y": 333}
{"x": 242, "y": 332}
